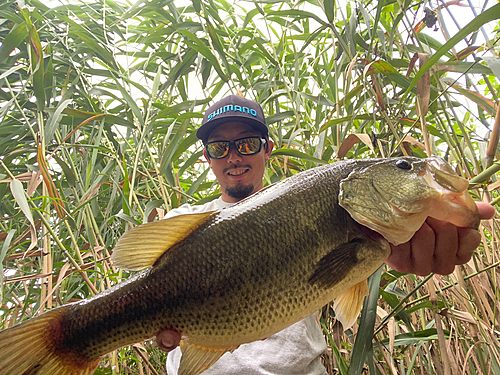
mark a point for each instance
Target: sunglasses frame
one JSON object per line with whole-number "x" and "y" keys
{"x": 233, "y": 143}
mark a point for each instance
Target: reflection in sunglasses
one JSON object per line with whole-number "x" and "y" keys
{"x": 244, "y": 146}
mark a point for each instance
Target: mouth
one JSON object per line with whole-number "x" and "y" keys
{"x": 456, "y": 205}
{"x": 237, "y": 171}
{"x": 443, "y": 178}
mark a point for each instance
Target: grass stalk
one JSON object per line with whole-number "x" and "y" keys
{"x": 439, "y": 327}
{"x": 63, "y": 249}
{"x": 306, "y": 73}
{"x": 493, "y": 141}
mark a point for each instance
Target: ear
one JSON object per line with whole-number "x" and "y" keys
{"x": 207, "y": 157}
{"x": 269, "y": 148}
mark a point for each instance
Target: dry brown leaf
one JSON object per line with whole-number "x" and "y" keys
{"x": 27, "y": 277}
{"x": 409, "y": 139}
{"x": 34, "y": 182}
{"x": 49, "y": 184}
{"x": 23, "y": 177}
{"x": 423, "y": 87}
{"x": 351, "y": 140}
{"x": 493, "y": 186}
{"x": 467, "y": 317}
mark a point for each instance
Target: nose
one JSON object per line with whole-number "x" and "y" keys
{"x": 233, "y": 157}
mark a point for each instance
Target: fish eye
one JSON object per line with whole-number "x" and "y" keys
{"x": 403, "y": 164}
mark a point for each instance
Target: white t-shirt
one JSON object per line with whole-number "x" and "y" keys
{"x": 295, "y": 350}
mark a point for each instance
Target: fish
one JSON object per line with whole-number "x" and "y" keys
{"x": 224, "y": 278}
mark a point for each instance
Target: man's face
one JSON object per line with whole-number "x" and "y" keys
{"x": 238, "y": 175}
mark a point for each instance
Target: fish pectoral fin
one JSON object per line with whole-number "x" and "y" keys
{"x": 348, "y": 304}
{"x": 196, "y": 359}
{"x": 141, "y": 246}
{"x": 336, "y": 264}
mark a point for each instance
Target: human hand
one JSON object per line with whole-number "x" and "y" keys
{"x": 438, "y": 246}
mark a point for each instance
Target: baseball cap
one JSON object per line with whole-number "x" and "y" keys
{"x": 232, "y": 108}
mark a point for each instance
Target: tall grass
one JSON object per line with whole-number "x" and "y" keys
{"x": 99, "y": 106}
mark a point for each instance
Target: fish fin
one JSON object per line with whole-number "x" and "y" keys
{"x": 141, "y": 246}
{"x": 27, "y": 349}
{"x": 196, "y": 359}
{"x": 336, "y": 264}
{"x": 348, "y": 304}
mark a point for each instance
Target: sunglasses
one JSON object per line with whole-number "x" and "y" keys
{"x": 244, "y": 146}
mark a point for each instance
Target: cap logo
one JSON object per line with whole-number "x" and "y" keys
{"x": 232, "y": 108}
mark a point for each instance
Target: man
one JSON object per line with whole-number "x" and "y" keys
{"x": 237, "y": 147}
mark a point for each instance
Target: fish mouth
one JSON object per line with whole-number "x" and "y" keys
{"x": 454, "y": 205}
{"x": 444, "y": 177}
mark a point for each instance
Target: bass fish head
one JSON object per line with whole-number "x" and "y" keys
{"x": 395, "y": 196}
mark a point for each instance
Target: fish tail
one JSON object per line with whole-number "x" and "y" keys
{"x": 29, "y": 349}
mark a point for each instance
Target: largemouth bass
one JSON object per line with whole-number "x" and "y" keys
{"x": 243, "y": 273}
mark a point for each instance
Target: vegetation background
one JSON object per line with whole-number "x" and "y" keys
{"x": 100, "y": 100}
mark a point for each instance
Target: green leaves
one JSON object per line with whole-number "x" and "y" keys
{"x": 329, "y": 8}
{"x": 93, "y": 43}
{"x": 297, "y": 154}
{"x": 362, "y": 350}
{"x": 16, "y": 35}
{"x": 37, "y": 61}
{"x": 16, "y": 187}
{"x": 109, "y": 95}
{"x": 198, "y": 45}
{"x": 493, "y": 13}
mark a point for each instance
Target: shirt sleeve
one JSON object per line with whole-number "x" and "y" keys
{"x": 182, "y": 210}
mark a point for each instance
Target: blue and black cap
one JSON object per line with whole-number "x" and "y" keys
{"x": 233, "y": 108}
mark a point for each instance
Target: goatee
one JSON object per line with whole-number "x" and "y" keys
{"x": 239, "y": 191}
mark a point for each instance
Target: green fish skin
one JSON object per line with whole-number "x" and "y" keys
{"x": 241, "y": 274}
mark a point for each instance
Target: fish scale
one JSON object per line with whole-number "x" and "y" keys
{"x": 243, "y": 273}
{"x": 294, "y": 232}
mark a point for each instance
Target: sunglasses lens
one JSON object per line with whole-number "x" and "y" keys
{"x": 218, "y": 150}
{"x": 248, "y": 146}
{"x": 244, "y": 146}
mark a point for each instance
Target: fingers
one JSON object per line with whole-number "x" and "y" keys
{"x": 400, "y": 258}
{"x": 486, "y": 211}
{"x": 446, "y": 246}
{"x": 422, "y": 247}
{"x": 404, "y": 258}
{"x": 438, "y": 246}
{"x": 469, "y": 240}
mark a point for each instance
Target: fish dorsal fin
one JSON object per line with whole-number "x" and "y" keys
{"x": 196, "y": 359}
{"x": 348, "y": 304}
{"x": 336, "y": 264}
{"x": 141, "y": 246}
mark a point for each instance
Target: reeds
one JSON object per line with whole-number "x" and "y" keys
{"x": 100, "y": 102}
